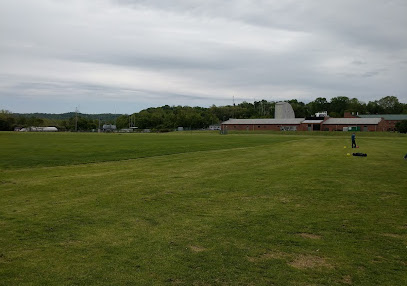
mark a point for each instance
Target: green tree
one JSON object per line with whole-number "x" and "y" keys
{"x": 122, "y": 121}
{"x": 300, "y": 109}
{"x": 373, "y": 107}
{"x": 390, "y": 105}
{"x": 7, "y": 120}
{"x": 402, "y": 126}
{"x": 263, "y": 109}
{"x": 356, "y": 106}
{"x": 338, "y": 106}
{"x": 318, "y": 105}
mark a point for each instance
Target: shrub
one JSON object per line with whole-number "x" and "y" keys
{"x": 402, "y": 126}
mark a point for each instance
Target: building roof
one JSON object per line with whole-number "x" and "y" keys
{"x": 265, "y": 121}
{"x": 386, "y": 116}
{"x": 314, "y": 121}
{"x": 352, "y": 121}
{"x": 297, "y": 121}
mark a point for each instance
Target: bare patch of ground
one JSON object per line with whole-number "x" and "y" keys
{"x": 347, "y": 279}
{"x": 378, "y": 259}
{"x": 393, "y": 235}
{"x": 309, "y": 261}
{"x": 309, "y": 235}
{"x": 389, "y": 195}
{"x": 195, "y": 248}
{"x": 175, "y": 281}
{"x": 285, "y": 200}
{"x": 70, "y": 243}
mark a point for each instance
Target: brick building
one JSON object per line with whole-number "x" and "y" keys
{"x": 390, "y": 120}
{"x": 306, "y": 124}
{"x": 361, "y": 124}
{"x": 291, "y": 124}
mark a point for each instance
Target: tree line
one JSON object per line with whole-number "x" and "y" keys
{"x": 166, "y": 118}
{"x": 10, "y": 121}
{"x": 170, "y": 117}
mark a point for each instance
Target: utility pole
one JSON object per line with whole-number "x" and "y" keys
{"x": 115, "y": 118}
{"x": 76, "y": 119}
{"x": 233, "y": 107}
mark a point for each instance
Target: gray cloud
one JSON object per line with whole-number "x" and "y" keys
{"x": 198, "y": 52}
{"x": 365, "y": 22}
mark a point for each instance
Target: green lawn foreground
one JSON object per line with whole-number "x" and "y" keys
{"x": 22, "y": 150}
{"x": 202, "y": 209}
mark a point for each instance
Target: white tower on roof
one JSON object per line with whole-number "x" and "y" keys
{"x": 283, "y": 110}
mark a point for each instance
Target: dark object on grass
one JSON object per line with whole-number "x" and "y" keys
{"x": 405, "y": 157}
{"x": 360, "y": 154}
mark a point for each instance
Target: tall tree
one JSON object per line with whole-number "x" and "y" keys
{"x": 390, "y": 104}
{"x": 318, "y": 105}
{"x": 402, "y": 126}
{"x": 300, "y": 110}
{"x": 338, "y": 106}
{"x": 7, "y": 120}
{"x": 373, "y": 107}
{"x": 356, "y": 106}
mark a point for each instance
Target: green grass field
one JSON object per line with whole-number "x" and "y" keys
{"x": 202, "y": 209}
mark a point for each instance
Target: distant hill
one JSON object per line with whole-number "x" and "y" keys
{"x": 65, "y": 116}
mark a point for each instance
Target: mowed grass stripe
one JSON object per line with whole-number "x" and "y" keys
{"x": 21, "y": 150}
{"x": 294, "y": 213}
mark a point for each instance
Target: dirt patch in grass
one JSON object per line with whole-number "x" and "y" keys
{"x": 175, "y": 281}
{"x": 195, "y": 248}
{"x": 389, "y": 195}
{"x": 378, "y": 259}
{"x": 309, "y": 261}
{"x": 285, "y": 200}
{"x": 309, "y": 235}
{"x": 299, "y": 261}
{"x": 8, "y": 182}
{"x": 347, "y": 280}
{"x": 70, "y": 243}
{"x": 393, "y": 235}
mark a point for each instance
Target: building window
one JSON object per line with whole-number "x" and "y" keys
{"x": 258, "y": 126}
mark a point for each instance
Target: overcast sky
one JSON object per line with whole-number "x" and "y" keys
{"x": 126, "y": 55}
